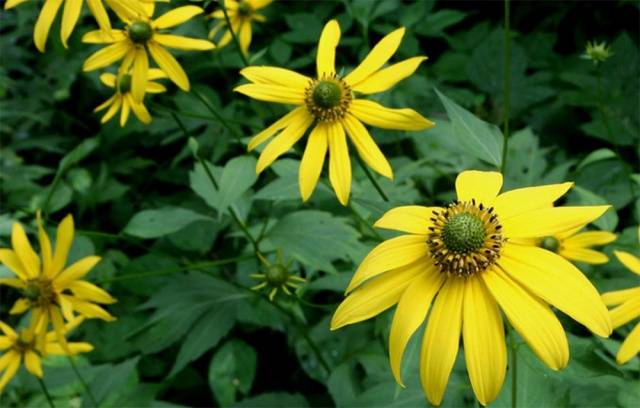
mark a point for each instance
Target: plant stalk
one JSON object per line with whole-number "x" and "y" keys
{"x": 46, "y": 392}
{"x": 507, "y": 83}
{"x": 84, "y": 383}
{"x": 233, "y": 34}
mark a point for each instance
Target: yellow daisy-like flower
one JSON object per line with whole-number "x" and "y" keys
{"x": 51, "y": 291}
{"x": 461, "y": 258}
{"x": 141, "y": 36}
{"x": 122, "y": 99}
{"x": 241, "y": 14}
{"x": 330, "y": 102}
{"x": 627, "y": 308}
{"x": 23, "y": 348}
{"x": 576, "y": 246}
{"x": 71, "y": 13}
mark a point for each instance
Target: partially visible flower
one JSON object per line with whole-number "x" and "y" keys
{"x": 627, "y": 308}
{"x": 277, "y": 277}
{"x": 597, "y": 52}
{"x": 23, "y": 348}
{"x": 52, "y": 292}
{"x": 241, "y": 14}
{"x": 331, "y": 105}
{"x": 122, "y": 99}
{"x": 576, "y": 246}
{"x": 142, "y": 35}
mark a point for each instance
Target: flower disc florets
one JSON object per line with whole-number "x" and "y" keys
{"x": 140, "y": 32}
{"x": 328, "y": 99}
{"x": 40, "y": 292}
{"x": 277, "y": 275}
{"x": 550, "y": 243}
{"x": 465, "y": 238}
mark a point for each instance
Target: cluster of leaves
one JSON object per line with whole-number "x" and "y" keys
{"x": 188, "y": 330}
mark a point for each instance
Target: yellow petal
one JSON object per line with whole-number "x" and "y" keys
{"x": 116, "y": 102}
{"x": 124, "y": 113}
{"x": 628, "y": 260}
{"x": 272, "y": 93}
{"x": 532, "y": 319}
{"x": 14, "y": 283}
{"x": 441, "y": 339}
{"x": 388, "y": 77}
{"x": 64, "y": 239}
{"x": 22, "y": 247}
{"x": 106, "y": 56}
{"x": 5, "y": 343}
{"x": 140, "y": 111}
{"x": 74, "y": 348}
{"x": 183, "y": 43}
{"x": 58, "y": 327}
{"x": 13, "y": 363}
{"x": 104, "y": 37}
{"x": 10, "y": 259}
{"x": 70, "y": 16}
{"x": 339, "y": 162}
{"x": 139, "y": 74}
{"x": 326, "y": 57}
{"x": 75, "y": 271}
{"x": 550, "y": 221}
{"x": 45, "y": 246}
{"x": 12, "y": 3}
{"x": 630, "y": 346}
{"x": 413, "y": 219}
{"x": 313, "y": 160}
{"x": 590, "y": 238}
{"x": 366, "y": 146}
{"x": 108, "y": 79}
{"x": 378, "y": 56}
{"x": 522, "y": 200}
{"x": 43, "y": 25}
{"x": 66, "y": 307}
{"x": 8, "y": 331}
{"x": 411, "y": 311}
{"x": 583, "y": 255}
{"x": 89, "y": 310}
{"x": 485, "y": 350}
{"x": 481, "y": 186}
{"x": 258, "y": 4}
{"x": 281, "y": 123}
{"x": 616, "y": 297}
{"x": 276, "y": 76}
{"x": 154, "y": 88}
{"x": 390, "y": 254}
{"x": 32, "y": 363}
{"x": 285, "y": 140}
{"x": 244, "y": 36}
{"x": 155, "y": 73}
{"x": 374, "y": 114}
{"x": 90, "y": 292}
{"x": 20, "y": 306}
{"x": 626, "y": 312}
{"x": 100, "y": 14}
{"x": 559, "y": 283}
{"x": 176, "y": 16}
{"x": 169, "y": 65}
{"x": 375, "y": 296}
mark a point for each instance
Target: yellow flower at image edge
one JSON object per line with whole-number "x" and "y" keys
{"x": 51, "y": 291}
{"x": 460, "y": 258}
{"x": 23, "y": 348}
{"x": 576, "y": 246}
{"x": 141, "y": 36}
{"x": 241, "y": 15}
{"x": 627, "y": 308}
{"x": 329, "y": 101}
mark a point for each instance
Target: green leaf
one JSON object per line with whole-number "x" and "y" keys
{"x": 156, "y": 223}
{"x": 232, "y": 370}
{"x": 274, "y": 399}
{"x": 609, "y": 220}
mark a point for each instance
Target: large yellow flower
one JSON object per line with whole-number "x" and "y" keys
{"x": 141, "y": 36}
{"x": 241, "y": 14}
{"x": 462, "y": 257}
{"x": 23, "y": 348}
{"x": 330, "y": 102}
{"x": 122, "y": 99}
{"x": 51, "y": 291}
{"x": 627, "y": 302}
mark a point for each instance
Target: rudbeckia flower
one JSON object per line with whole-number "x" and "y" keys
{"x": 331, "y": 104}
{"x": 23, "y": 348}
{"x": 241, "y": 14}
{"x": 461, "y": 259}
{"x": 627, "y": 308}
{"x": 50, "y": 290}
{"x": 576, "y": 246}
{"x": 122, "y": 99}
{"x": 143, "y": 35}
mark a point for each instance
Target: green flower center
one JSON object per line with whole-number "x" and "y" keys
{"x": 124, "y": 83}
{"x": 550, "y": 243}
{"x": 39, "y": 292}
{"x": 277, "y": 275}
{"x": 464, "y": 233}
{"x": 327, "y": 94}
{"x": 244, "y": 9}
{"x": 140, "y": 32}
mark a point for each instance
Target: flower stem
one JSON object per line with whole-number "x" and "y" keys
{"x": 514, "y": 366}
{"x": 46, "y": 392}
{"x": 84, "y": 383}
{"x": 372, "y": 179}
{"x": 233, "y": 34}
{"x": 507, "y": 84}
{"x": 215, "y": 113}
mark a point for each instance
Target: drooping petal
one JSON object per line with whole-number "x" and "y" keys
{"x": 23, "y": 249}
{"x": 630, "y": 261}
{"x": 326, "y": 57}
{"x": 244, "y": 36}
{"x": 89, "y": 310}
{"x": 169, "y": 65}
{"x": 378, "y": 56}
{"x": 620, "y": 296}
{"x": 388, "y": 77}
{"x": 313, "y": 160}
{"x": 176, "y": 17}
{"x": 116, "y": 102}
{"x": 139, "y": 74}
{"x": 126, "y": 109}
{"x": 43, "y": 24}
{"x": 276, "y": 76}
{"x": 366, "y": 146}
{"x": 390, "y": 254}
{"x": 339, "y": 162}
{"x": 374, "y": 114}
{"x": 106, "y": 56}
{"x": 546, "y": 222}
{"x": 630, "y": 346}
{"x": 532, "y": 318}
{"x": 522, "y": 200}
{"x": 281, "y": 123}
{"x": 75, "y": 271}
{"x": 70, "y": 16}
{"x": 12, "y": 3}
{"x": 12, "y": 365}
{"x": 139, "y": 110}
{"x": 589, "y": 238}
{"x": 100, "y": 14}
{"x": 414, "y": 219}
{"x": 441, "y": 339}
{"x": 64, "y": 239}
{"x": 90, "y": 292}
{"x": 183, "y": 43}
{"x": 10, "y": 259}
{"x": 411, "y": 311}
{"x": 272, "y": 93}
{"x": 583, "y": 255}
{"x": 32, "y": 363}
{"x": 58, "y": 327}
{"x": 626, "y": 312}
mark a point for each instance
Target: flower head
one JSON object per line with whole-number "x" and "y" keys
{"x": 241, "y": 14}
{"x": 627, "y": 308}
{"x": 141, "y": 36}
{"x": 597, "y": 52}
{"x": 50, "y": 290}
{"x": 276, "y": 277}
{"x": 462, "y": 259}
{"x": 330, "y": 102}
{"x": 576, "y": 246}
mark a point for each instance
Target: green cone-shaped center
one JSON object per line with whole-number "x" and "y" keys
{"x": 463, "y": 233}
{"x": 550, "y": 243}
{"x": 124, "y": 83}
{"x": 327, "y": 94}
{"x": 277, "y": 275}
{"x": 140, "y": 32}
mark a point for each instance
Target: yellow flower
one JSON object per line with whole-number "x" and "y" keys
{"x": 23, "y": 348}
{"x": 627, "y": 302}
{"x": 330, "y": 102}
{"x": 575, "y": 246}
{"x": 277, "y": 277}
{"x": 241, "y": 14}
{"x": 48, "y": 289}
{"x": 462, "y": 256}
{"x": 123, "y": 101}
{"x": 141, "y": 36}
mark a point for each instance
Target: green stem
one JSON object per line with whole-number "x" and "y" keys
{"x": 84, "y": 383}
{"x": 202, "y": 117}
{"x": 600, "y": 92}
{"x": 219, "y": 117}
{"x": 372, "y": 179}
{"x": 46, "y": 392}
{"x": 364, "y": 222}
{"x": 233, "y": 35}
{"x": 507, "y": 83}
{"x": 514, "y": 366}
{"x": 316, "y": 306}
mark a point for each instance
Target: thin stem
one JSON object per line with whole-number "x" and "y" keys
{"x": 315, "y": 305}
{"x": 514, "y": 366}
{"x": 600, "y": 92}
{"x": 233, "y": 35}
{"x": 200, "y": 116}
{"x": 507, "y": 83}
{"x": 372, "y": 180}
{"x": 84, "y": 383}
{"x": 219, "y": 117}
{"x": 46, "y": 392}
